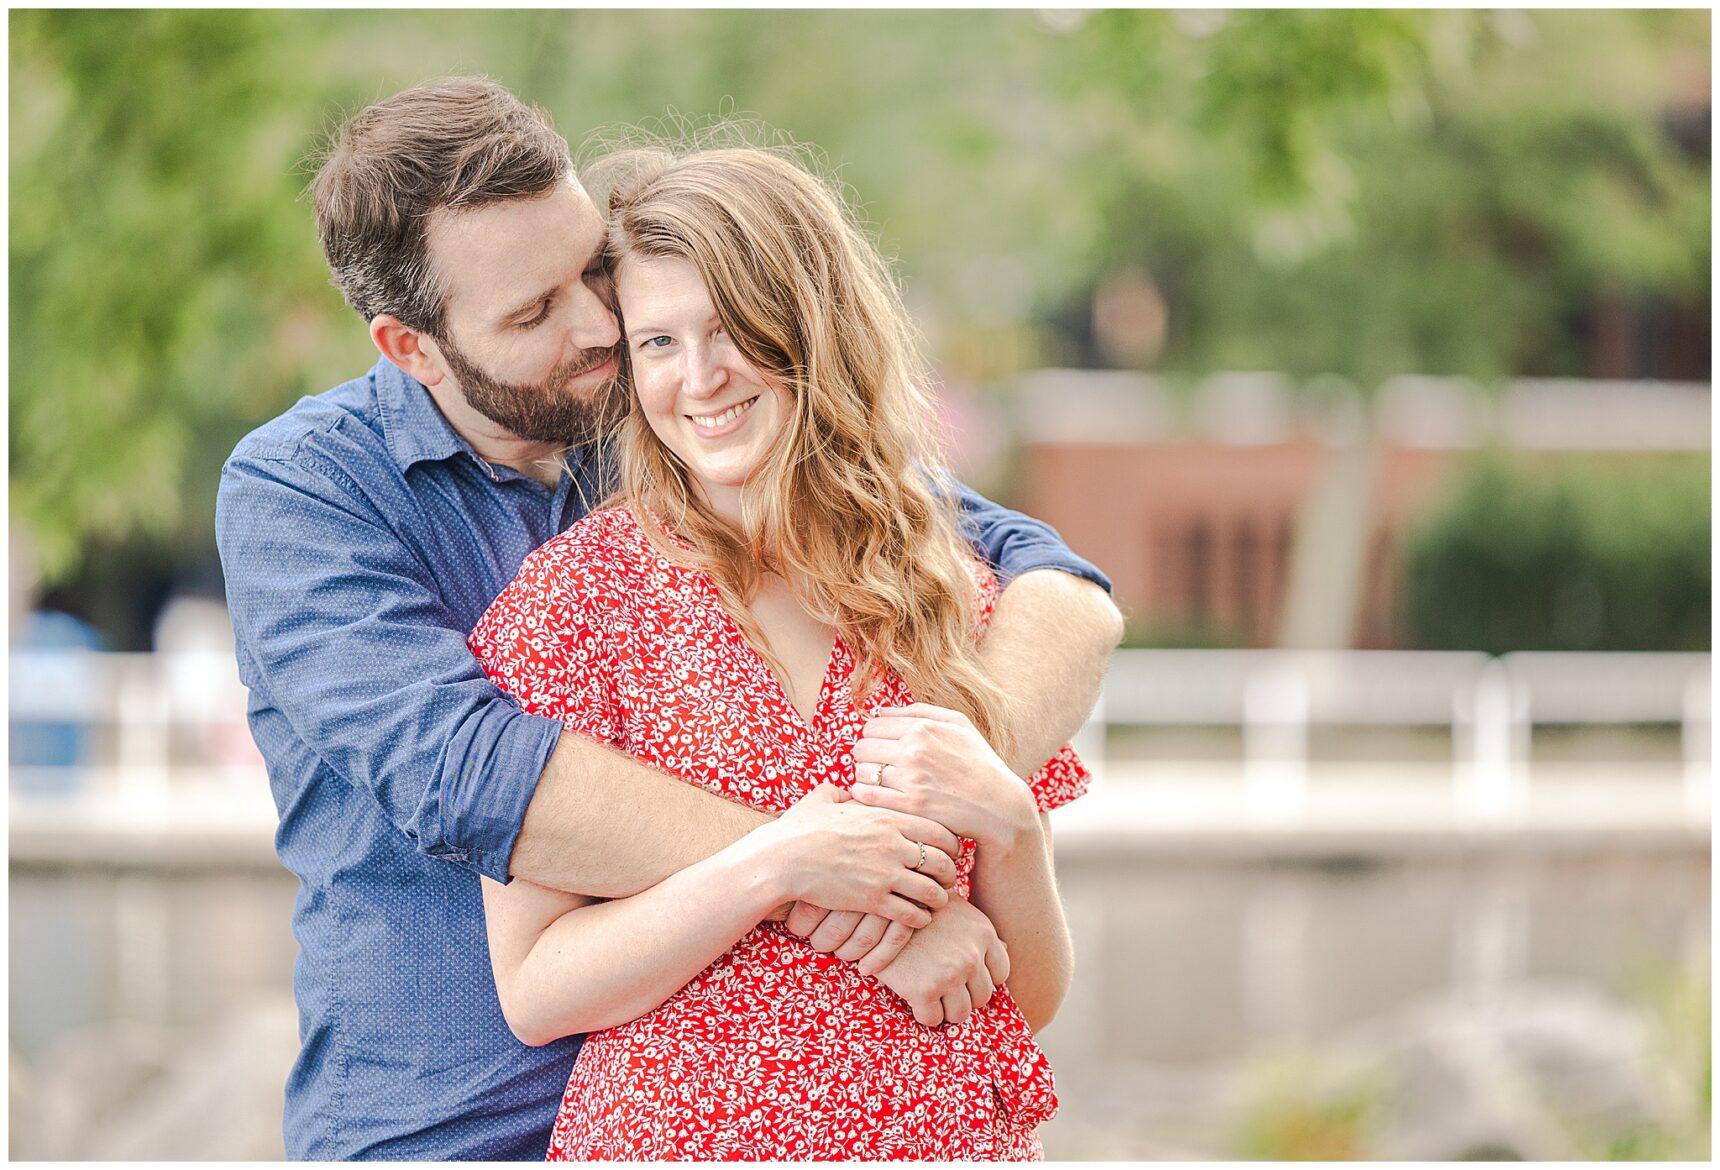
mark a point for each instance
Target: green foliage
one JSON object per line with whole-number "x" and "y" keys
{"x": 1307, "y": 1112}
{"x": 1358, "y": 192}
{"x": 1581, "y": 554}
{"x": 1280, "y": 79}
{"x": 1376, "y": 193}
{"x": 163, "y": 298}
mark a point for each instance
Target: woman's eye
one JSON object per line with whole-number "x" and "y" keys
{"x": 651, "y": 342}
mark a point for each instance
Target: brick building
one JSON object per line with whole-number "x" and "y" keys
{"x": 1196, "y": 504}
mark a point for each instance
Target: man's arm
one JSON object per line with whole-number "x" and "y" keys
{"x": 345, "y": 630}
{"x": 1050, "y": 640}
{"x": 1052, "y": 631}
{"x": 602, "y": 823}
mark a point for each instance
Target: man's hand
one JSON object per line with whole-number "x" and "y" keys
{"x": 930, "y": 762}
{"x": 950, "y": 967}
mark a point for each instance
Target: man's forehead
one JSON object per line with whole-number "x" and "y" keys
{"x": 567, "y": 200}
{"x": 515, "y": 247}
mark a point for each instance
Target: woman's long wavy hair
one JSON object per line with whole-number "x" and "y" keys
{"x": 851, "y": 507}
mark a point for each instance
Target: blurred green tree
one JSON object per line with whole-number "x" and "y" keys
{"x": 1356, "y": 192}
{"x": 1374, "y": 193}
{"x": 162, "y": 296}
{"x": 1575, "y": 554}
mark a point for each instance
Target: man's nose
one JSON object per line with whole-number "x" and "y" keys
{"x": 594, "y": 324}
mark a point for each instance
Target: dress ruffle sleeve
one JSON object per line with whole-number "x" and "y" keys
{"x": 546, "y": 640}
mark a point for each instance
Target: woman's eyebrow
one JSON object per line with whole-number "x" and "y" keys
{"x": 650, "y": 327}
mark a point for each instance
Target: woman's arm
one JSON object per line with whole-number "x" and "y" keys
{"x": 566, "y": 963}
{"x": 1015, "y": 885}
{"x": 930, "y": 762}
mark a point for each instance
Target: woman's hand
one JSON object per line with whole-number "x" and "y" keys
{"x": 839, "y": 854}
{"x": 950, "y": 969}
{"x": 870, "y": 940}
{"x": 929, "y": 762}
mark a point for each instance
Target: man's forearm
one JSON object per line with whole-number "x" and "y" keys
{"x": 601, "y": 823}
{"x": 1049, "y": 641}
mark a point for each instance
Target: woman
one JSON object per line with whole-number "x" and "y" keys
{"x": 776, "y": 572}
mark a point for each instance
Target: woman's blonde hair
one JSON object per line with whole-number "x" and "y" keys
{"x": 850, "y": 507}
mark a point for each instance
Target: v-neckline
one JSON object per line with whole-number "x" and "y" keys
{"x": 810, "y": 723}
{"x": 762, "y": 667}
{"x": 773, "y": 684}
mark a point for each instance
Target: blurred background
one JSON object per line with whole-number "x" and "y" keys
{"x": 1369, "y": 352}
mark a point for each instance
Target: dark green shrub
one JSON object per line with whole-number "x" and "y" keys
{"x": 1580, "y": 553}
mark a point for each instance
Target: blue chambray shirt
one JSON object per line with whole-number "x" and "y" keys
{"x": 362, "y": 539}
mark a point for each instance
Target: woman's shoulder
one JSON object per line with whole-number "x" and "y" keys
{"x": 609, "y": 540}
{"x": 985, "y": 585}
{"x": 556, "y": 634}
{"x": 592, "y": 567}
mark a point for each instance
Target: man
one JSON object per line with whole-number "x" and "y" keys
{"x": 365, "y": 531}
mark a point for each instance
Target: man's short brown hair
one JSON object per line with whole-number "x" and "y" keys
{"x": 456, "y": 142}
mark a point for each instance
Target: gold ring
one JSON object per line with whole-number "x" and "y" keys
{"x": 921, "y": 864}
{"x": 880, "y": 778}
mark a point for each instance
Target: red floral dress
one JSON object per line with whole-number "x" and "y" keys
{"x": 774, "y": 1051}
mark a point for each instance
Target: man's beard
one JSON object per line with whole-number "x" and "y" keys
{"x": 548, "y": 412}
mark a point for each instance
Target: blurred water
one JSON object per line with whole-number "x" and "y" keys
{"x": 1186, "y": 964}
{"x": 1182, "y": 960}
{"x": 1193, "y": 973}
{"x": 181, "y": 951}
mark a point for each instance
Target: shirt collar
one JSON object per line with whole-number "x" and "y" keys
{"x": 415, "y": 429}
{"x": 412, "y": 425}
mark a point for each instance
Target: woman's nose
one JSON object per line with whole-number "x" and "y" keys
{"x": 705, "y": 374}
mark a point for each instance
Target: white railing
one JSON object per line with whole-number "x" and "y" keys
{"x": 157, "y": 742}
{"x": 160, "y": 724}
{"x": 1490, "y": 705}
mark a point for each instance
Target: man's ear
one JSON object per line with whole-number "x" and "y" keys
{"x": 407, "y": 348}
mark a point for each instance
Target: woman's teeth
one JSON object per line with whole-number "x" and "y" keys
{"x": 729, "y": 415}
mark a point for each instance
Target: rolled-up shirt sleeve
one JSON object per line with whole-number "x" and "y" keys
{"x": 342, "y": 628}
{"x": 1013, "y": 543}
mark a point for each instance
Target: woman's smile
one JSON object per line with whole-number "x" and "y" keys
{"x": 697, "y": 392}
{"x": 713, "y": 426}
